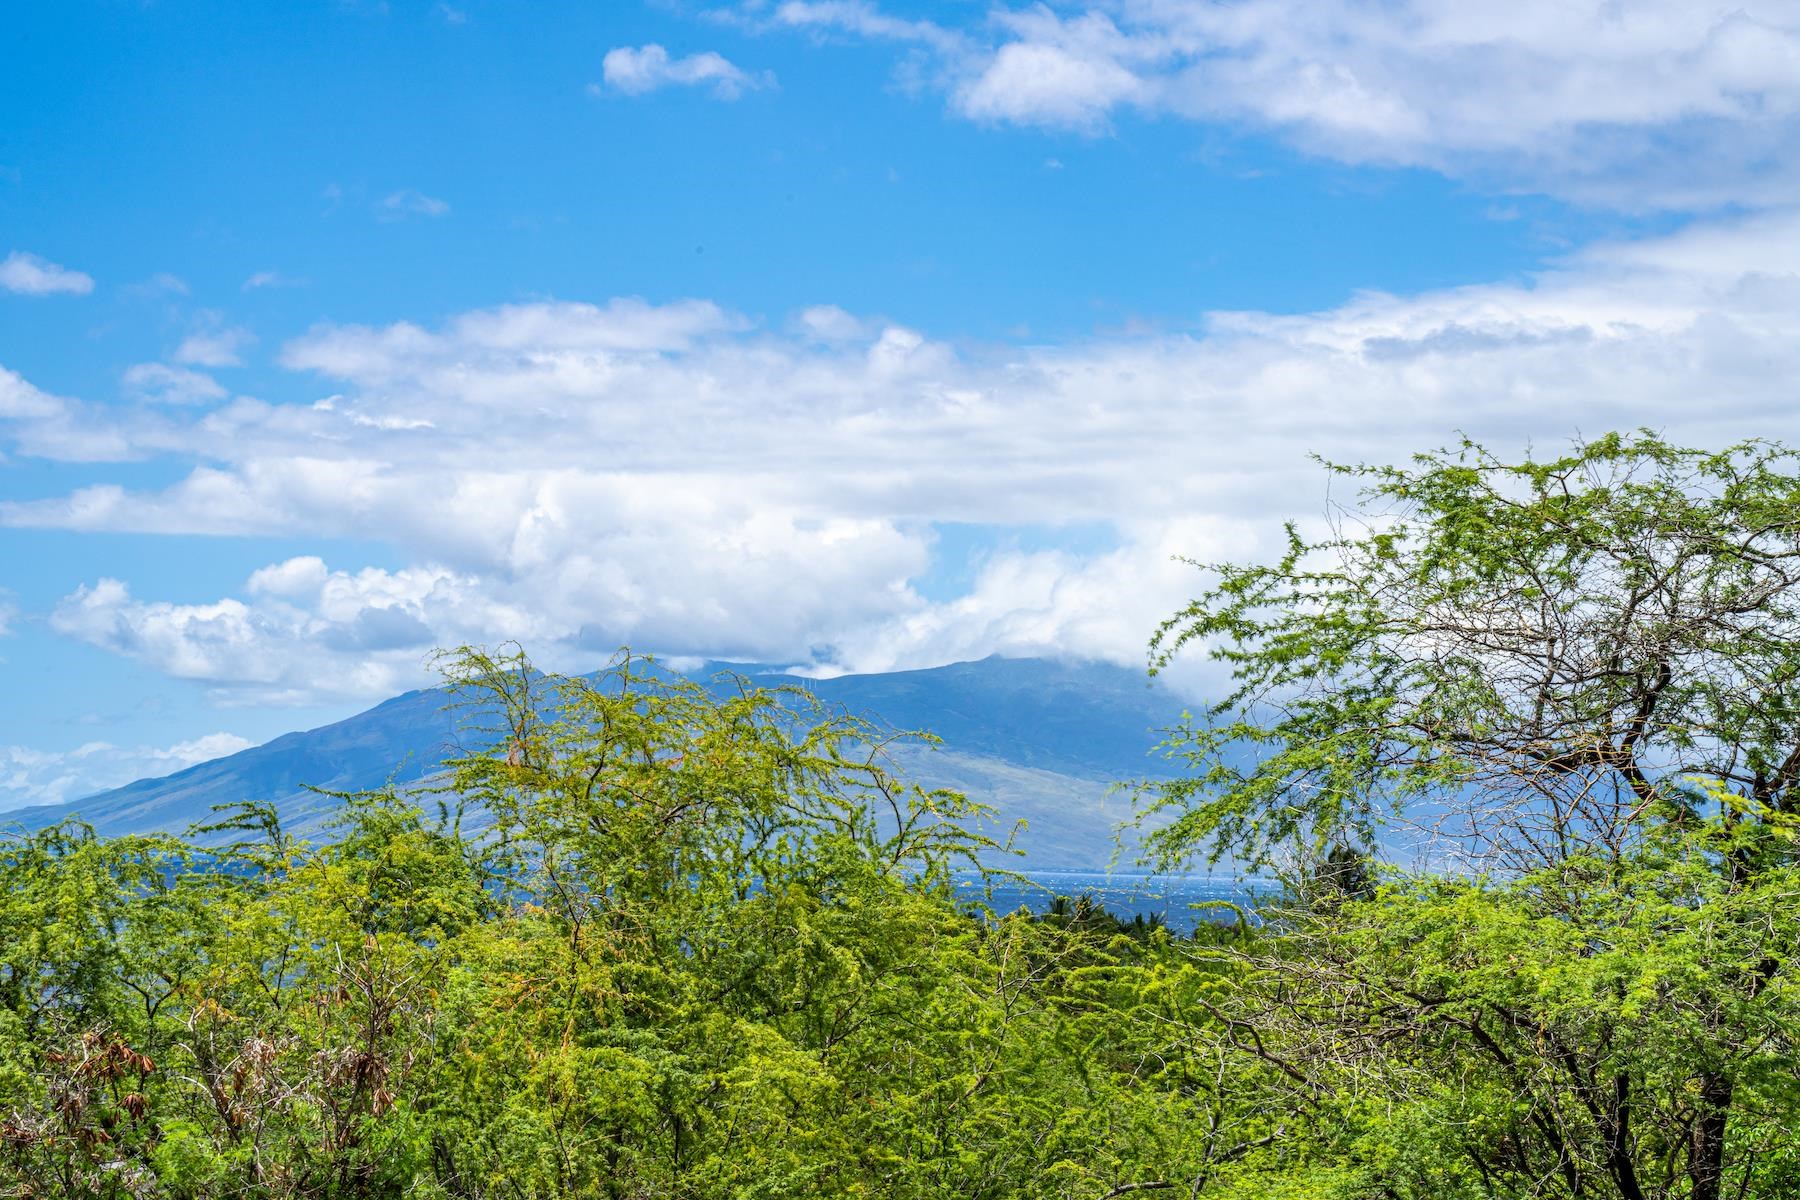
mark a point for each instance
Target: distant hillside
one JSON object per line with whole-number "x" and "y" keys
{"x": 1090, "y": 720}
{"x": 1040, "y": 740}
{"x": 404, "y": 739}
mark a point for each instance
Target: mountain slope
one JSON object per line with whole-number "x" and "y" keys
{"x": 1040, "y": 740}
{"x": 403, "y": 739}
{"x": 1090, "y": 720}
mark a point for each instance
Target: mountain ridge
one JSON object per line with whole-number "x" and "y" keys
{"x": 1042, "y": 740}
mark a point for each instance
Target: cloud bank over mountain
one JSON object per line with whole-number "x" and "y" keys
{"x": 699, "y": 481}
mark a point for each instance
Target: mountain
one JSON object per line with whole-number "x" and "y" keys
{"x": 1038, "y": 739}
{"x": 1089, "y": 720}
{"x": 404, "y": 739}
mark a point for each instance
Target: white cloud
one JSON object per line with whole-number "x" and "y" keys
{"x": 577, "y": 475}
{"x": 1070, "y": 73}
{"x": 1101, "y": 606}
{"x": 550, "y": 339}
{"x": 270, "y": 279}
{"x": 31, "y": 777}
{"x": 1665, "y": 103}
{"x": 579, "y": 567}
{"x": 29, "y": 275}
{"x": 204, "y": 749}
{"x": 53, "y": 427}
{"x": 19, "y": 400}
{"x": 408, "y": 202}
{"x": 362, "y": 628}
{"x": 829, "y": 323}
{"x": 214, "y": 343}
{"x": 860, "y": 18}
{"x": 641, "y": 69}
{"x": 160, "y": 383}
{"x": 163, "y": 283}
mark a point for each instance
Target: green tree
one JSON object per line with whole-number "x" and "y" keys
{"x": 647, "y": 939}
{"x": 1581, "y": 675}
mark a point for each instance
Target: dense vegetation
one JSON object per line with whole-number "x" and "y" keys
{"x": 693, "y": 947}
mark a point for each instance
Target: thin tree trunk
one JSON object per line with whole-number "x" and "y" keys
{"x": 1618, "y": 1141}
{"x": 1706, "y": 1161}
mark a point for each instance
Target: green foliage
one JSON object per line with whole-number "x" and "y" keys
{"x": 652, "y": 943}
{"x": 1581, "y": 677}
{"x": 1560, "y": 1033}
{"x": 1580, "y": 638}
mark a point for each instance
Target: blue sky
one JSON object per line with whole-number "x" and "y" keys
{"x": 815, "y": 331}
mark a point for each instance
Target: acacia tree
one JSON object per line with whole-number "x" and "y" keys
{"x": 659, "y": 940}
{"x": 1585, "y": 672}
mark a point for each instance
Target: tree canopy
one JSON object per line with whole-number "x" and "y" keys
{"x": 1575, "y": 682}
{"x": 1558, "y": 652}
{"x": 650, "y": 940}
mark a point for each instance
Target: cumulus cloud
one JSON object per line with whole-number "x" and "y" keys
{"x": 1057, "y": 603}
{"x": 29, "y": 275}
{"x": 1660, "y": 104}
{"x": 1071, "y": 73}
{"x": 36, "y": 423}
{"x": 20, "y": 400}
{"x": 214, "y": 343}
{"x": 829, "y": 323}
{"x": 30, "y": 777}
{"x": 637, "y": 70}
{"x": 683, "y": 479}
{"x": 365, "y": 625}
{"x": 160, "y": 383}
{"x": 589, "y": 564}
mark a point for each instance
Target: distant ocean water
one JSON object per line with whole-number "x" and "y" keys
{"x": 1122, "y": 894}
